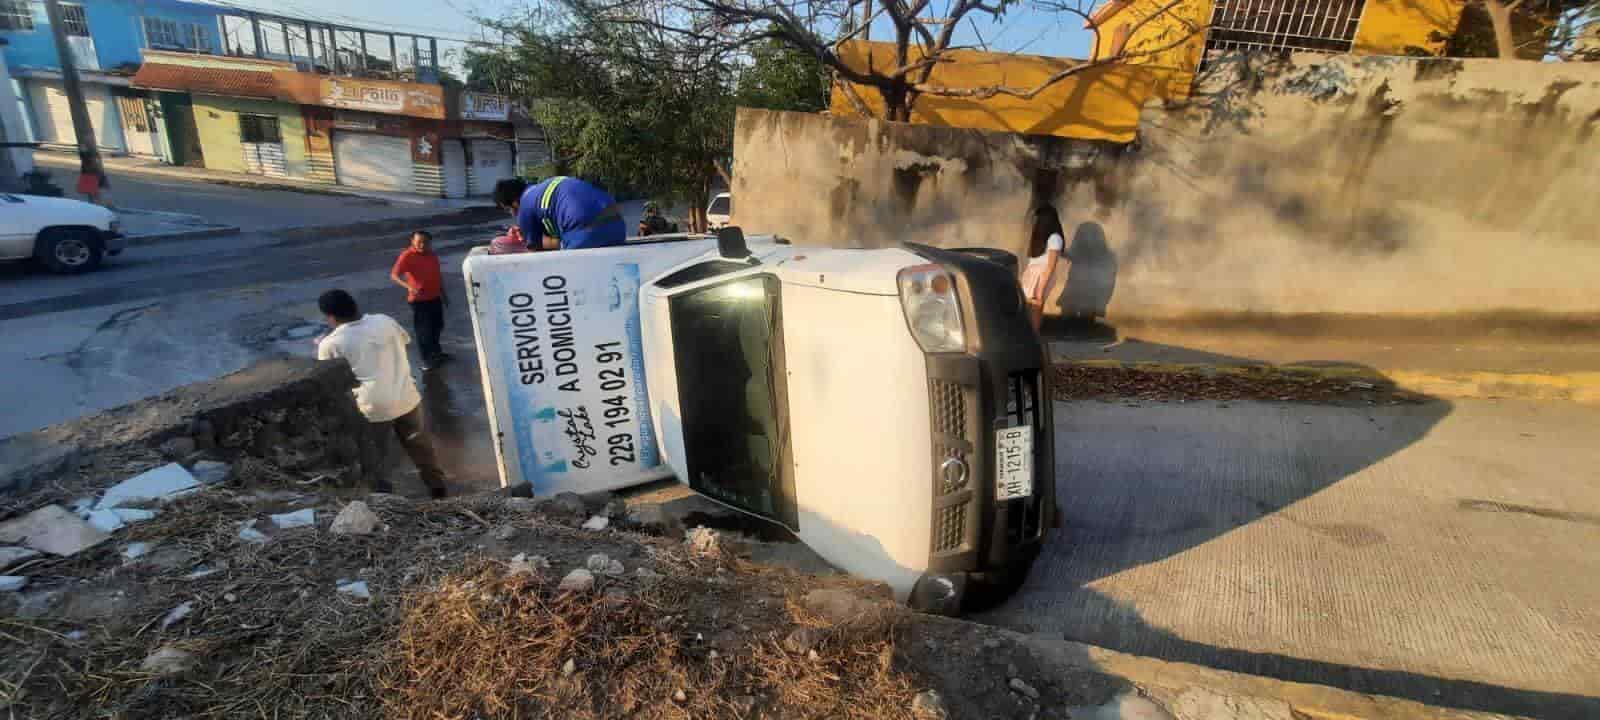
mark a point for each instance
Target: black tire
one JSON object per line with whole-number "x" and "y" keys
{"x": 1003, "y": 258}
{"x": 70, "y": 250}
{"x": 987, "y": 590}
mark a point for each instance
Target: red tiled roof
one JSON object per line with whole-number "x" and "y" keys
{"x": 215, "y": 81}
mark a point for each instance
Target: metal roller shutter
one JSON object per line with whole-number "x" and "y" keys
{"x": 491, "y": 163}
{"x": 455, "y": 168}
{"x": 374, "y": 162}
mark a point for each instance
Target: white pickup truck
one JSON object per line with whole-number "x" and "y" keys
{"x": 67, "y": 236}
{"x": 889, "y": 407}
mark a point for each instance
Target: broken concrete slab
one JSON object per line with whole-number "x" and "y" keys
{"x": 355, "y": 519}
{"x": 357, "y": 589}
{"x": 298, "y": 518}
{"x": 53, "y": 530}
{"x": 163, "y": 483}
{"x": 104, "y": 520}
{"x": 12, "y": 583}
{"x": 15, "y": 555}
{"x": 597, "y": 523}
{"x": 135, "y": 550}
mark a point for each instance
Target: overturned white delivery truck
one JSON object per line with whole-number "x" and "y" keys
{"x": 890, "y": 407}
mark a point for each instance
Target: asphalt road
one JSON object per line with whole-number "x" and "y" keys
{"x": 249, "y": 209}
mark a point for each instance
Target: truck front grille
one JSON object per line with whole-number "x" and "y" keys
{"x": 949, "y": 409}
{"x": 950, "y": 527}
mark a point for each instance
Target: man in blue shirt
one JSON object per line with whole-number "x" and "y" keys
{"x": 566, "y": 212}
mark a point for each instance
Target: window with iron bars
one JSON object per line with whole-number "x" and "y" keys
{"x": 1324, "y": 26}
{"x": 259, "y": 129}
{"x": 195, "y": 37}
{"x": 16, "y": 15}
{"x": 161, "y": 33}
{"x": 73, "y": 21}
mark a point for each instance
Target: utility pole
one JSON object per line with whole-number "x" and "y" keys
{"x": 91, "y": 174}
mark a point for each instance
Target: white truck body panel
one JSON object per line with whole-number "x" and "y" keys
{"x": 560, "y": 343}
{"x": 861, "y": 432}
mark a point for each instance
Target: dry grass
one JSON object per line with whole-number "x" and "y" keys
{"x": 448, "y": 634}
{"x": 492, "y": 645}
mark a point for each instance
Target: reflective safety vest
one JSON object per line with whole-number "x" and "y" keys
{"x": 550, "y": 227}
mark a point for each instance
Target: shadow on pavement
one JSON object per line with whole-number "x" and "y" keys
{"x": 1143, "y": 482}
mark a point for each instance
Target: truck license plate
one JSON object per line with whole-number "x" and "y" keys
{"x": 1013, "y": 458}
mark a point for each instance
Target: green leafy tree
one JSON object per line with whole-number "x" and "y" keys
{"x": 639, "y": 112}
{"x": 780, "y": 77}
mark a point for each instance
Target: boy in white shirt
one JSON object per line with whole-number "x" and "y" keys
{"x": 375, "y": 347}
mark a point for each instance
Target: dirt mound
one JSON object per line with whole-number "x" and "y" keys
{"x": 210, "y": 620}
{"x": 492, "y": 644}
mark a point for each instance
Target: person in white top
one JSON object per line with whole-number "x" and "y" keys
{"x": 375, "y": 347}
{"x": 1045, "y": 248}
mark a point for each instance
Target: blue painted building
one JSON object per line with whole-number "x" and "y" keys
{"x": 107, "y": 39}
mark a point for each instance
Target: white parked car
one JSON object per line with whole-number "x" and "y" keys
{"x": 67, "y": 236}
{"x": 720, "y": 212}
{"x": 890, "y": 407}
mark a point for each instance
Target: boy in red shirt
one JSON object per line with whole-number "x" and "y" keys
{"x": 417, "y": 270}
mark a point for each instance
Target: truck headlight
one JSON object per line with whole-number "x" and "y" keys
{"x": 933, "y": 312}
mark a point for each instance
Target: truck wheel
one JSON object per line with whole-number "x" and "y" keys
{"x": 986, "y": 590}
{"x": 1003, "y": 258}
{"x": 70, "y": 250}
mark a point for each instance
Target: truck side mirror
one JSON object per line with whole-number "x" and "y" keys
{"x": 731, "y": 244}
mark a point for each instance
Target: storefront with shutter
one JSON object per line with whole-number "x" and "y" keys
{"x": 257, "y": 137}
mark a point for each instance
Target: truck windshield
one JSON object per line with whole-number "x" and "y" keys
{"x": 728, "y": 341}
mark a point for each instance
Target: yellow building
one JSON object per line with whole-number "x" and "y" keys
{"x": 1366, "y": 27}
{"x": 1162, "y": 46}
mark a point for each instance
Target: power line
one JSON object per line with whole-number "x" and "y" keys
{"x": 369, "y": 25}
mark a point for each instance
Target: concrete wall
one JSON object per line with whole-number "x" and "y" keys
{"x": 1338, "y": 185}
{"x": 217, "y": 120}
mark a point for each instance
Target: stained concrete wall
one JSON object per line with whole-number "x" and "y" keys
{"x": 1342, "y": 185}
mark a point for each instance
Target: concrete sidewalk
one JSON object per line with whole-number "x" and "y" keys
{"x": 62, "y": 162}
{"x": 1439, "y": 552}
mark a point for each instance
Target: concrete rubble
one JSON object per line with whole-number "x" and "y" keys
{"x": 177, "y": 614}
{"x": 249, "y": 533}
{"x": 135, "y": 550}
{"x": 524, "y": 564}
{"x": 168, "y": 660}
{"x": 355, "y": 519}
{"x": 356, "y": 589}
{"x": 296, "y": 519}
{"x": 163, "y": 483}
{"x": 579, "y": 580}
{"x": 210, "y": 472}
{"x": 569, "y": 503}
{"x": 15, "y": 555}
{"x": 53, "y": 530}
{"x": 597, "y": 523}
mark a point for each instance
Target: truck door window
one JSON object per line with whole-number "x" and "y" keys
{"x": 728, "y": 341}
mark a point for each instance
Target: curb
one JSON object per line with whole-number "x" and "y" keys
{"x": 1580, "y": 387}
{"x": 201, "y": 234}
{"x": 1170, "y": 682}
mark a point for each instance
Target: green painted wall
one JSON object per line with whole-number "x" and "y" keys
{"x": 217, "y": 119}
